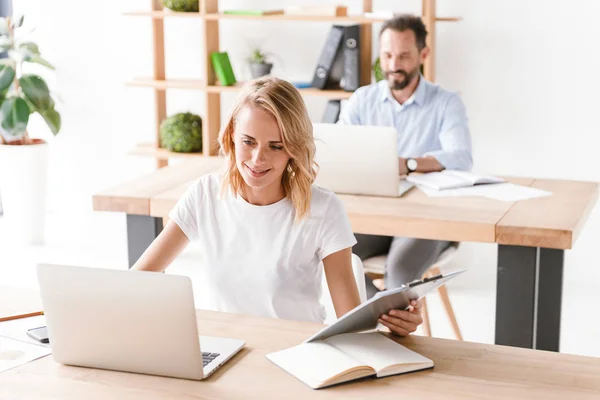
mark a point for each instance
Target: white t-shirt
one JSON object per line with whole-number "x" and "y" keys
{"x": 259, "y": 260}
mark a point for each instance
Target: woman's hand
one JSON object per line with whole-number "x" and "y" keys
{"x": 402, "y": 322}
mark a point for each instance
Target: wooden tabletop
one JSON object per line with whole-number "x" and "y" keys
{"x": 462, "y": 371}
{"x": 550, "y": 222}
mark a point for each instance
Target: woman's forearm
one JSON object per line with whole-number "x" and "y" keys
{"x": 163, "y": 250}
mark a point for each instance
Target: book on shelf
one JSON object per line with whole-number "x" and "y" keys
{"x": 451, "y": 179}
{"x": 222, "y": 67}
{"x": 301, "y": 84}
{"x": 323, "y": 10}
{"x": 346, "y": 357}
{"x": 253, "y": 12}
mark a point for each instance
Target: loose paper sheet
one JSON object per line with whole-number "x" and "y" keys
{"x": 497, "y": 191}
{"x": 15, "y": 352}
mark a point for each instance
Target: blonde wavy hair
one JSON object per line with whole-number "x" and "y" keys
{"x": 283, "y": 101}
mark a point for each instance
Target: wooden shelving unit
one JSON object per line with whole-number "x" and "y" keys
{"x": 218, "y": 16}
{"x": 195, "y": 84}
{"x": 150, "y": 149}
{"x": 210, "y": 16}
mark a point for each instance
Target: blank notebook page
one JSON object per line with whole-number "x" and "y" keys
{"x": 376, "y": 350}
{"x": 313, "y": 362}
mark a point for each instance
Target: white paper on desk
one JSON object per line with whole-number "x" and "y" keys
{"x": 15, "y": 352}
{"x": 497, "y": 191}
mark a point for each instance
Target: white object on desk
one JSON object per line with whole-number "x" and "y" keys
{"x": 451, "y": 179}
{"x": 15, "y": 352}
{"x": 132, "y": 321}
{"x": 502, "y": 191}
{"x": 347, "y": 357}
{"x": 357, "y": 159}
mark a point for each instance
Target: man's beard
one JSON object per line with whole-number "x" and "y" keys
{"x": 399, "y": 85}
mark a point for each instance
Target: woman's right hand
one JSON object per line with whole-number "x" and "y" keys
{"x": 163, "y": 250}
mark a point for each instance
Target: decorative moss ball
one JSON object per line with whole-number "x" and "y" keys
{"x": 182, "y": 5}
{"x": 182, "y": 133}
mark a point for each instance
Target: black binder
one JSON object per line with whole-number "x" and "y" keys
{"x": 328, "y": 57}
{"x": 332, "y": 112}
{"x": 351, "y": 50}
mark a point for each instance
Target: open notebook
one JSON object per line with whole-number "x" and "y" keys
{"x": 451, "y": 179}
{"x": 346, "y": 357}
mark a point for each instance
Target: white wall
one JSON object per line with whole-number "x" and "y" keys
{"x": 527, "y": 71}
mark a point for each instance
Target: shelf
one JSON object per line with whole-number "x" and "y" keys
{"x": 309, "y": 18}
{"x": 149, "y": 149}
{"x": 199, "y": 85}
{"x": 162, "y": 14}
{"x": 448, "y": 19}
{"x": 329, "y": 93}
{"x": 167, "y": 84}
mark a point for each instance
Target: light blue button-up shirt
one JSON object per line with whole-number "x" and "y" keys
{"x": 432, "y": 122}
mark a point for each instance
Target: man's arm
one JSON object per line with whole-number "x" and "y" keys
{"x": 455, "y": 138}
{"x": 424, "y": 164}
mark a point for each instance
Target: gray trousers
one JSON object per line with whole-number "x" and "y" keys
{"x": 408, "y": 258}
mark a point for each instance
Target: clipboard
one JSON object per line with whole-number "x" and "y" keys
{"x": 365, "y": 316}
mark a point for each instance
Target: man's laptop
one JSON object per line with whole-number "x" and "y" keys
{"x": 357, "y": 159}
{"x": 132, "y": 321}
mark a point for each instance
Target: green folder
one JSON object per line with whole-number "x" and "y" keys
{"x": 222, "y": 67}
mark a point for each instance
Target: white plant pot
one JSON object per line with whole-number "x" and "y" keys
{"x": 23, "y": 183}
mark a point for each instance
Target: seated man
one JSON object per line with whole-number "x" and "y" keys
{"x": 432, "y": 135}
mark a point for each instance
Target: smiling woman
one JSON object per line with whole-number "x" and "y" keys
{"x": 267, "y": 234}
{"x": 268, "y": 140}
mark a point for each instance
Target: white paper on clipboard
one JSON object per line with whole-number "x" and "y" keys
{"x": 365, "y": 316}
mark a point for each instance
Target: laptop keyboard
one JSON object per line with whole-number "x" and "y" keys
{"x": 208, "y": 357}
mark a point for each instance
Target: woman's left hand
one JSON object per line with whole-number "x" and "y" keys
{"x": 403, "y": 322}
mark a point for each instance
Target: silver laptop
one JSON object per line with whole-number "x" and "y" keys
{"x": 143, "y": 322}
{"x": 355, "y": 159}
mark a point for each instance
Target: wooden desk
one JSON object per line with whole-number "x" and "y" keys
{"x": 531, "y": 235}
{"x": 462, "y": 370}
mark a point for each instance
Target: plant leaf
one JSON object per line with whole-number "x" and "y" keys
{"x": 29, "y": 48}
{"x": 7, "y": 76}
{"x": 52, "y": 118}
{"x": 14, "y": 114}
{"x": 5, "y": 43}
{"x": 38, "y": 60}
{"x": 17, "y": 22}
{"x": 36, "y": 91}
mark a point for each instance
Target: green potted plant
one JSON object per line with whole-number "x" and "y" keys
{"x": 259, "y": 63}
{"x": 23, "y": 159}
{"x": 182, "y": 5}
{"x": 182, "y": 133}
{"x": 377, "y": 71}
